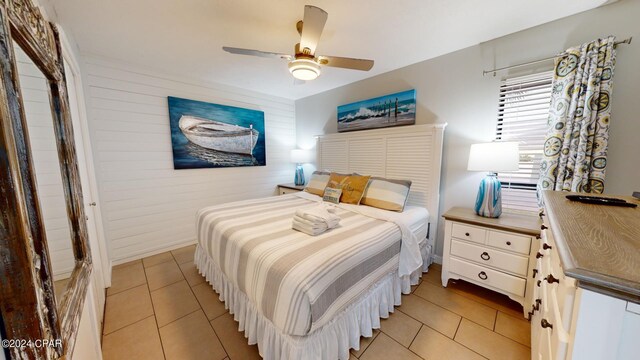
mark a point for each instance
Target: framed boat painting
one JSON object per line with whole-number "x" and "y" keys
{"x": 383, "y": 111}
{"x": 207, "y": 135}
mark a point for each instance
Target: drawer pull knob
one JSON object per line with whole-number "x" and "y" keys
{"x": 536, "y": 307}
{"x": 539, "y": 282}
{"x": 466, "y": 234}
{"x": 550, "y": 279}
{"x": 535, "y": 272}
{"x": 482, "y": 275}
{"x": 542, "y": 227}
{"x": 546, "y": 246}
{"x": 485, "y": 256}
{"x": 545, "y": 324}
{"x": 509, "y": 243}
{"x": 538, "y": 255}
{"x": 541, "y": 214}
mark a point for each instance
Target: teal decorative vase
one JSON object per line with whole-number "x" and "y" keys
{"x": 299, "y": 180}
{"x": 489, "y": 200}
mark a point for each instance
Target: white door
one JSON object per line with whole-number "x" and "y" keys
{"x": 96, "y": 242}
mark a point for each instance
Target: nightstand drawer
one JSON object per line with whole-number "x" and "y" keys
{"x": 511, "y": 242}
{"x": 469, "y": 233}
{"x": 491, "y": 257}
{"x": 284, "y": 190}
{"x": 482, "y": 275}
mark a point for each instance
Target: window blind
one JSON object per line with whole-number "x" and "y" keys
{"x": 523, "y": 110}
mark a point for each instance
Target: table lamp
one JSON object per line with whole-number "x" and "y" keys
{"x": 492, "y": 157}
{"x": 299, "y": 157}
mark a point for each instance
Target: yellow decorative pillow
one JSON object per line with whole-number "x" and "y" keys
{"x": 353, "y": 186}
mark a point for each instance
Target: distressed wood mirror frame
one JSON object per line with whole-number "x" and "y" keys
{"x": 27, "y": 303}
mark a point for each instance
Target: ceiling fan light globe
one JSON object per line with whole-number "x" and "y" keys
{"x": 304, "y": 69}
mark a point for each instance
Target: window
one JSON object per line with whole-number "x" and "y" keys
{"x": 522, "y": 116}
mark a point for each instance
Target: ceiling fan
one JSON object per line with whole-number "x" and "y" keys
{"x": 305, "y": 64}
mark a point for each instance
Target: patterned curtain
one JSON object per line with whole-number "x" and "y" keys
{"x": 575, "y": 150}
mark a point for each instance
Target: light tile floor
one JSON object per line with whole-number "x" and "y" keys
{"x": 161, "y": 308}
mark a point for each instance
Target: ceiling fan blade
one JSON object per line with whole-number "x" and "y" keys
{"x": 251, "y": 52}
{"x": 347, "y": 63}
{"x": 312, "y": 25}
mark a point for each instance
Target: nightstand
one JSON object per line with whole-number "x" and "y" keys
{"x": 289, "y": 188}
{"x": 492, "y": 253}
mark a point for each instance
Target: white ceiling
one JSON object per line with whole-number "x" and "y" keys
{"x": 184, "y": 37}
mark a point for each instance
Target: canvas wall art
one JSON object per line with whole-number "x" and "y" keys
{"x": 206, "y": 135}
{"x": 384, "y": 111}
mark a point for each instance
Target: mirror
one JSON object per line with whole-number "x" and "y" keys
{"x": 43, "y": 232}
{"x": 46, "y": 165}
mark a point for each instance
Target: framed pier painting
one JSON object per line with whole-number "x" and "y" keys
{"x": 383, "y": 111}
{"x": 206, "y": 135}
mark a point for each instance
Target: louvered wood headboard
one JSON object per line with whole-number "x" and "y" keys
{"x": 408, "y": 152}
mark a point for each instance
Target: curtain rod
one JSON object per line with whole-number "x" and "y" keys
{"x": 494, "y": 71}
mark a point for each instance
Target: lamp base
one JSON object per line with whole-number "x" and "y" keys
{"x": 299, "y": 179}
{"x": 489, "y": 200}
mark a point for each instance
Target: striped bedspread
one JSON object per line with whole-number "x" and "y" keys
{"x": 296, "y": 280}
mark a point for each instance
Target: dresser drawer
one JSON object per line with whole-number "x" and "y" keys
{"x": 485, "y": 276}
{"x": 469, "y": 233}
{"x": 559, "y": 334}
{"x": 490, "y": 257}
{"x": 512, "y": 242}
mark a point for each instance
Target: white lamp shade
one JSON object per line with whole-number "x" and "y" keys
{"x": 494, "y": 157}
{"x": 300, "y": 156}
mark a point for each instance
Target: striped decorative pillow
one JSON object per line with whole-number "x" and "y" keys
{"x": 318, "y": 182}
{"x": 386, "y": 194}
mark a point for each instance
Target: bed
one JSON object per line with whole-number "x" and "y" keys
{"x": 313, "y": 297}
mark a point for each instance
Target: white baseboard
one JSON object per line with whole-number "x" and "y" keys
{"x": 147, "y": 253}
{"x": 436, "y": 259}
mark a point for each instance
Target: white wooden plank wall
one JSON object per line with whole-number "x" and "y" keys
{"x": 47, "y": 167}
{"x": 147, "y": 206}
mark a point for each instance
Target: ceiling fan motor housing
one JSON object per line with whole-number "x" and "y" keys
{"x": 304, "y": 68}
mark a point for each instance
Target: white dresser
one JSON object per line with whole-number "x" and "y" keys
{"x": 493, "y": 253}
{"x": 587, "y": 284}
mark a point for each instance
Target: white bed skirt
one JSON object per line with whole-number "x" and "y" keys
{"x": 334, "y": 339}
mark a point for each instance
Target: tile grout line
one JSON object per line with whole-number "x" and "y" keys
{"x": 120, "y": 328}
{"x": 164, "y": 286}
{"x": 453, "y": 312}
{"x": 415, "y": 336}
{"x": 457, "y": 328}
{"x": 515, "y": 342}
{"x": 200, "y": 305}
{"x": 452, "y": 339}
{"x": 461, "y": 316}
{"x": 124, "y": 327}
{"x": 463, "y": 345}
{"x": 400, "y": 345}
{"x": 470, "y": 299}
{"x": 154, "y": 309}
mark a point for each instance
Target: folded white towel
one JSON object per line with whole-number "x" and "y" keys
{"x": 307, "y": 227}
{"x": 316, "y": 220}
{"x": 322, "y": 213}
